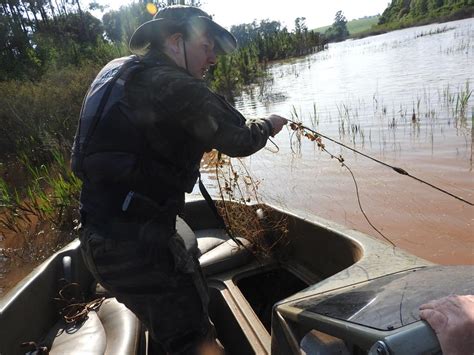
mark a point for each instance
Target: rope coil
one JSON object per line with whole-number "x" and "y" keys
{"x": 76, "y": 310}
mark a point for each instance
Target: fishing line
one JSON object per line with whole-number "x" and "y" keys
{"x": 341, "y": 160}
{"x": 277, "y": 148}
{"x": 362, "y": 210}
{"x": 396, "y": 169}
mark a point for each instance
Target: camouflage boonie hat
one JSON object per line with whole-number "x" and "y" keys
{"x": 179, "y": 17}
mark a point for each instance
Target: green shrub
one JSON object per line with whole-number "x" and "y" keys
{"x": 40, "y": 117}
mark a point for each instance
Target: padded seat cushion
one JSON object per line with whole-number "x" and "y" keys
{"x": 122, "y": 328}
{"x": 113, "y": 329}
{"x": 219, "y": 253}
{"x": 216, "y": 251}
{"x": 87, "y": 338}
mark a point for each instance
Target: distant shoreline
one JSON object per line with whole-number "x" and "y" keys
{"x": 388, "y": 27}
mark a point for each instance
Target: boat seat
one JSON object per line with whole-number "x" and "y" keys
{"x": 113, "y": 329}
{"x": 216, "y": 251}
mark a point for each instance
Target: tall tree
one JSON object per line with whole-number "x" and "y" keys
{"x": 338, "y": 31}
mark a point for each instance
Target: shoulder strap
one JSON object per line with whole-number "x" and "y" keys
{"x": 213, "y": 208}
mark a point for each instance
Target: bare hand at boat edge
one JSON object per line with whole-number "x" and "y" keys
{"x": 452, "y": 319}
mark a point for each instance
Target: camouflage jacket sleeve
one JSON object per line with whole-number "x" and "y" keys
{"x": 205, "y": 115}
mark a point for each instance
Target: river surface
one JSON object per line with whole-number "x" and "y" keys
{"x": 401, "y": 97}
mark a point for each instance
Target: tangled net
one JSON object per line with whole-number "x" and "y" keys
{"x": 241, "y": 206}
{"x": 300, "y": 131}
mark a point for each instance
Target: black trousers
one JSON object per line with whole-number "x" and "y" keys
{"x": 147, "y": 267}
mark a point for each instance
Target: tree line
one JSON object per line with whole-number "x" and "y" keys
{"x": 403, "y": 13}
{"x": 338, "y": 30}
{"x": 52, "y": 49}
{"x": 38, "y": 34}
{"x": 259, "y": 43}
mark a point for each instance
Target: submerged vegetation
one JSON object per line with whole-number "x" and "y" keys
{"x": 428, "y": 113}
{"x": 43, "y": 213}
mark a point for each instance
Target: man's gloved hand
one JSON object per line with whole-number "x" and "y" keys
{"x": 452, "y": 319}
{"x": 277, "y": 122}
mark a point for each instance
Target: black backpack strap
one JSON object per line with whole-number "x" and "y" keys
{"x": 213, "y": 207}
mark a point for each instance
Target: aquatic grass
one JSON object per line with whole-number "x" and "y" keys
{"x": 423, "y": 119}
{"x": 472, "y": 138}
{"x": 7, "y": 202}
{"x": 429, "y": 113}
{"x": 344, "y": 119}
{"x": 434, "y": 31}
{"x": 47, "y": 207}
{"x": 296, "y": 147}
{"x": 53, "y": 193}
{"x": 461, "y": 46}
{"x": 462, "y": 101}
{"x": 5, "y": 198}
{"x": 314, "y": 118}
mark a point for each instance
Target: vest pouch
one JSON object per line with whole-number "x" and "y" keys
{"x": 141, "y": 208}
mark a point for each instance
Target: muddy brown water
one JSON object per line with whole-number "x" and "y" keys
{"x": 396, "y": 97}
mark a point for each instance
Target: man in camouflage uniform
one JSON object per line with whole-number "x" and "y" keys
{"x": 143, "y": 156}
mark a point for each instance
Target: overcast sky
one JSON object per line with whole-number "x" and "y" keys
{"x": 317, "y": 12}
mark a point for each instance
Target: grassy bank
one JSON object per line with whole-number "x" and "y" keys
{"x": 362, "y": 24}
{"x": 38, "y": 214}
{"x": 355, "y": 26}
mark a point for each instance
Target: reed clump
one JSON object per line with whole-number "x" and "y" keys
{"x": 42, "y": 215}
{"x": 434, "y": 31}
